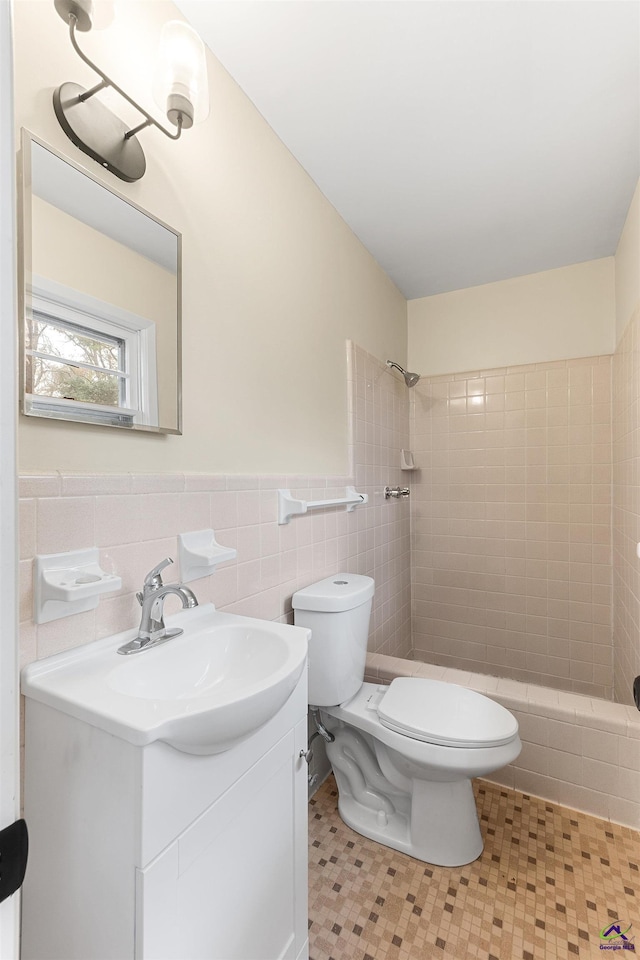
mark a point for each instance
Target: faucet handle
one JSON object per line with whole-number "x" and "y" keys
{"x": 153, "y": 578}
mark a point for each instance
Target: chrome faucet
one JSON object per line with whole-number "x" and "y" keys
{"x": 152, "y": 630}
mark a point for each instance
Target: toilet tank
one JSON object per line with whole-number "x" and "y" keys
{"x": 337, "y": 611}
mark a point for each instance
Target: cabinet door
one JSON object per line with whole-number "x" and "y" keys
{"x": 234, "y": 884}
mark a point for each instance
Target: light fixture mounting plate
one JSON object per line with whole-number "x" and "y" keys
{"x": 98, "y": 132}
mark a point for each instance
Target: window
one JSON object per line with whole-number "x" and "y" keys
{"x": 88, "y": 359}
{"x": 75, "y": 363}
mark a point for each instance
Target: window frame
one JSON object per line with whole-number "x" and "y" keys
{"x": 67, "y": 305}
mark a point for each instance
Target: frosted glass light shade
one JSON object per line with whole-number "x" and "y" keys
{"x": 104, "y": 14}
{"x": 180, "y": 85}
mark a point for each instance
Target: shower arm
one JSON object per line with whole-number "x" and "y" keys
{"x": 409, "y": 378}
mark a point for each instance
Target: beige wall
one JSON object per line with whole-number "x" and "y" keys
{"x": 71, "y": 253}
{"x": 627, "y": 267}
{"x": 555, "y": 315}
{"x": 134, "y": 520}
{"x": 274, "y": 281}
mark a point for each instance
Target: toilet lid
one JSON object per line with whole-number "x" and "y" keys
{"x": 445, "y": 714}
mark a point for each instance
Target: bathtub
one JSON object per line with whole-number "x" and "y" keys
{"x": 578, "y": 751}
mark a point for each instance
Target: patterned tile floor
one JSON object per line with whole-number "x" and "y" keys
{"x": 548, "y": 882}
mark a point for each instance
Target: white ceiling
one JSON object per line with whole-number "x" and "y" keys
{"x": 85, "y": 199}
{"x": 463, "y": 141}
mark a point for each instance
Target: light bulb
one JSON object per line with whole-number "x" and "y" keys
{"x": 181, "y": 88}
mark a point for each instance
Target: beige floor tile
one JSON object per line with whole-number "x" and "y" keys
{"x": 548, "y": 882}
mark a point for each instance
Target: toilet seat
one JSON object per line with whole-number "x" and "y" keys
{"x": 445, "y": 714}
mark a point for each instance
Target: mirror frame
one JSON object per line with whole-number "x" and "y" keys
{"x": 25, "y": 275}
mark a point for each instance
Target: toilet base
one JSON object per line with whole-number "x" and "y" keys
{"x": 442, "y": 827}
{"x": 409, "y": 794}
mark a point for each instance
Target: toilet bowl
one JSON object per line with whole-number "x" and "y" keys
{"x": 403, "y": 755}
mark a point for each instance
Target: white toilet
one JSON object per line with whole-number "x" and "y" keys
{"x": 403, "y": 755}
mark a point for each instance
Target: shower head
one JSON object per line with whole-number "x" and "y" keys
{"x": 409, "y": 378}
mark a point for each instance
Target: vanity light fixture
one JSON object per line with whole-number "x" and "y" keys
{"x": 180, "y": 89}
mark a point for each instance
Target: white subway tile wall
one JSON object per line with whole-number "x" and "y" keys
{"x": 626, "y": 510}
{"x": 511, "y": 523}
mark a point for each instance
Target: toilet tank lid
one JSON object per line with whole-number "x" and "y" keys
{"x": 343, "y": 591}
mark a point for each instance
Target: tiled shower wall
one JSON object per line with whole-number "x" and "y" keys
{"x": 626, "y": 510}
{"x": 511, "y": 523}
{"x": 135, "y": 520}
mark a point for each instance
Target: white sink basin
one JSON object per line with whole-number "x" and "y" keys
{"x": 201, "y": 692}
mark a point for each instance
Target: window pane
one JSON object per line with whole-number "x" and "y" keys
{"x": 50, "y": 378}
{"x": 70, "y": 342}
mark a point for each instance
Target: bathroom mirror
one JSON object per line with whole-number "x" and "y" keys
{"x": 100, "y": 290}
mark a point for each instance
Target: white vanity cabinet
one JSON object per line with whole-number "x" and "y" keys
{"x": 152, "y": 854}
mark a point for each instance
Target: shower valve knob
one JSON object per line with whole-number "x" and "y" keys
{"x": 398, "y": 493}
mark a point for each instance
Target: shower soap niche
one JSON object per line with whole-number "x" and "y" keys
{"x": 199, "y": 554}
{"x": 68, "y": 583}
{"x": 406, "y": 460}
